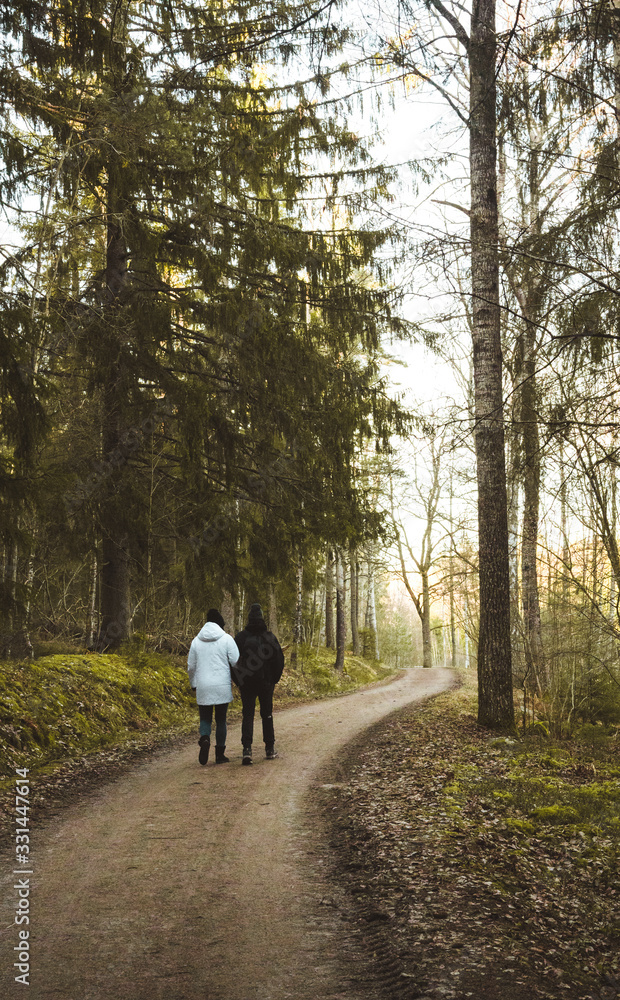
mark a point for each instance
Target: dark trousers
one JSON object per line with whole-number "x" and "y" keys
{"x": 250, "y": 691}
{"x": 206, "y": 714}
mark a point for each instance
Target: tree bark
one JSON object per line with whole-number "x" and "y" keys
{"x": 451, "y": 571}
{"x": 329, "y": 600}
{"x": 273, "y": 609}
{"x": 227, "y": 610}
{"x": 297, "y": 624}
{"x": 92, "y": 604}
{"x": 528, "y": 294}
{"x": 11, "y": 576}
{"x": 355, "y": 638}
{"x": 371, "y": 646}
{"x": 427, "y": 640}
{"x": 513, "y": 488}
{"x": 615, "y": 6}
{"x": 453, "y": 640}
{"x": 566, "y": 563}
{"x": 115, "y": 606}
{"x": 531, "y": 501}
{"x": 495, "y": 698}
{"x": 341, "y": 621}
{"x": 115, "y": 570}
{"x": 239, "y": 610}
{"x": 614, "y": 522}
{"x": 28, "y": 607}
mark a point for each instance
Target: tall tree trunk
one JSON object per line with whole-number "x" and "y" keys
{"x": 451, "y": 571}
{"x": 187, "y": 614}
{"x": 273, "y": 609}
{"x": 564, "y": 523}
{"x": 149, "y": 588}
{"x": 241, "y": 609}
{"x": 595, "y": 607}
{"x": 531, "y": 501}
{"x": 321, "y": 605}
{"x": 514, "y": 438}
{"x": 28, "y": 607}
{"x": 341, "y": 621}
{"x": 92, "y": 603}
{"x": 613, "y": 525}
{"x": 355, "y": 638}
{"x": 115, "y": 570}
{"x": 19, "y": 589}
{"x": 528, "y": 297}
{"x": 495, "y": 698}
{"x": 11, "y": 576}
{"x": 115, "y": 604}
{"x": 329, "y": 600}
{"x": 298, "y": 622}
{"x": 310, "y": 637}
{"x": 513, "y": 487}
{"x": 371, "y": 645}
{"x": 453, "y": 640}
{"x": 427, "y": 640}
{"x": 227, "y": 610}
{"x": 615, "y": 6}
{"x": 466, "y": 610}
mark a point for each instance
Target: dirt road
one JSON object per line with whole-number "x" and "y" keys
{"x": 199, "y": 883}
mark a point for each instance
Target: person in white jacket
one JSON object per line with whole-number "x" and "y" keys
{"x": 211, "y": 655}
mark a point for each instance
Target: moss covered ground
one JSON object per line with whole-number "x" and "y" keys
{"x": 65, "y": 705}
{"x": 315, "y": 677}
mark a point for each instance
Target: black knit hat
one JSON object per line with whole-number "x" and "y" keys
{"x": 213, "y": 615}
{"x": 255, "y": 612}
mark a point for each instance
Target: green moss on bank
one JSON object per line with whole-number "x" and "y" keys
{"x": 533, "y": 785}
{"x": 66, "y": 705}
{"x": 315, "y": 677}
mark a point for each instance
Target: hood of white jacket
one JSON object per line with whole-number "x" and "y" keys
{"x": 210, "y": 632}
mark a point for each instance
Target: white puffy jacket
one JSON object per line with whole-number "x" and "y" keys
{"x": 211, "y": 655}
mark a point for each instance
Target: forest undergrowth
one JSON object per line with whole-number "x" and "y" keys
{"x": 487, "y": 867}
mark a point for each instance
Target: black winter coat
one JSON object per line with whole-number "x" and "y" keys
{"x": 260, "y": 655}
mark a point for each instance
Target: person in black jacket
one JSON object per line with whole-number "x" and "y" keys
{"x": 260, "y": 666}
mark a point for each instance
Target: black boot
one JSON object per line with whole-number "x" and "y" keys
{"x": 220, "y": 756}
{"x": 247, "y": 755}
{"x": 203, "y": 753}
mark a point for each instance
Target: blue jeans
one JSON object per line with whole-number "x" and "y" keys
{"x": 206, "y": 714}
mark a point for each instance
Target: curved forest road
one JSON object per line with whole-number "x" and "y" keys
{"x": 182, "y": 882}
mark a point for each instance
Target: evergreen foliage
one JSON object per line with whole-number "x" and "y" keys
{"x": 193, "y": 328}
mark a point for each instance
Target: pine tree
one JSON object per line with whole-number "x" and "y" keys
{"x": 177, "y": 277}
